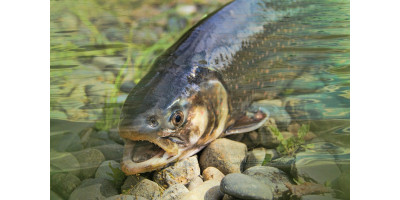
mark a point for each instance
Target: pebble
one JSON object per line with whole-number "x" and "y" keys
{"x": 127, "y": 86}
{"x": 114, "y": 135}
{"x": 94, "y": 188}
{"x": 64, "y": 162}
{"x": 195, "y": 183}
{"x": 181, "y": 172}
{"x": 54, "y": 196}
{"x": 131, "y": 181}
{"x": 266, "y": 138}
{"x": 318, "y": 167}
{"x": 209, "y": 190}
{"x": 111, "y": 170}
{"x": 66, "y": 141}
{"x": 89, "y": 160}
{"x": 270, "y": 176}
{"x": 245, "y": 187}
{"x": 64, "y": 183}
{"x": 111, "y": 151}
{"x": 212, "y": 173}
{"x": 283, "y": 163}
{"x": 125, "y": 197}
{"x": 98, "y": 138}
{"x": 174, "y": 192}
{"x": 147, "y": 189}
{"x": 256, "y": 156}
{"x": 225, "y": 155}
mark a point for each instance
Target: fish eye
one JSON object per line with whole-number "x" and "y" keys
{"x": 177, "y": 118}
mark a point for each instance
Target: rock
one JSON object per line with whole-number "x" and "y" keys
{"x": 318, "y": 167}
{"x": 147, "y": 189}
{"x": 174, "y": 192}
{"x": 127, "y": 86}
{"x": 111, "y": 170}
{"x": 94, "y": 188}
{"x": 256, "y": 156}
{"x": 212, "y": 173}
{"x": 195, "y": 183}
{"x": 245, "y": 187}
{"x": 66, "y": 141}
{"x": 96, "y": 93}
{"x": 98, "y": 138}
{"x": 181, "y": 172}
{"x": 54, "y": 196}
{"x": 89, "y": 160}
{"x": 114, "y": 135}
{"x": 225, "y": 155}
{"x": 283, "y": 163}
{"x": 209, "y": 190}
{"x": 228, "y": 197}
{"x": 318, "y": 197}
{"x": 130, "y": 182}
{"x": 266, "y": 138}
{"x": 111, "y": 151}
{"x": 126, "y": 197}
{"x": 270, "y": 176}
{"x": 64, "y": 184}
{"x": 63, "y": 162}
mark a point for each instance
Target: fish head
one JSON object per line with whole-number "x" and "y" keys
{"x": 170, "y": 115}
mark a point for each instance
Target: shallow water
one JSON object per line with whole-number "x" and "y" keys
{"x": 101, "y": 49}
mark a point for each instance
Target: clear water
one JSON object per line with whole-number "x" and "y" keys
{"x": 98, "y": 46}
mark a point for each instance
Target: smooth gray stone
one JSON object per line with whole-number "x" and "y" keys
{"x": 245, "y": 187}
{"x": 111, "y": 170}
{"x": 96, "y": 188}
{"x": 64, "y": 183}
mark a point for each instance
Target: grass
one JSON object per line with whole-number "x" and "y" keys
{"x": 289, "y": 146}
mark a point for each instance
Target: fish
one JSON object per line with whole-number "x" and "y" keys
{"x": 204, "y": 86}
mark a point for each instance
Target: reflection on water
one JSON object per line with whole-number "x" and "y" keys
{"x": 100, "y": 49}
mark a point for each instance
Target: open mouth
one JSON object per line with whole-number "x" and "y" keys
{"x": 144, "y": 156}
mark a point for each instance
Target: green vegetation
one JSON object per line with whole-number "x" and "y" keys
{"x": 289, "y": 146}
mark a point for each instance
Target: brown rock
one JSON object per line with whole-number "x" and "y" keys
{"x": 147, "y": 189}
{"x": 212, "y": 173}
{"x": 195, "y": 183}
{"x": 225, "y": 155}
{"x": 209, "y": 190}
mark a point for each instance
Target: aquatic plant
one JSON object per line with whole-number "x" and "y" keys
{"x": 289, "y": 146}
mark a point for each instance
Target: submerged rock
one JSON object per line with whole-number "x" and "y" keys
{"x": 89, "y": 160}
{"x": 283, "y": 163}
{"x": 245, "y": 187}
{"x": 111, "y": 151}
{"x": 257, "y": 156}
{"x": 64, "y": 163}
{"x": 64, "y": 183}
{"x": 96, "y": 188}
{"x": 225, "y": 155}
{"x": 130, "y": 182}
{"x": 270, "y": 176}
{"x": 174, "y": 192}
{"x": 111, "y": 170}
{"x": 181, "y": 172}
{"x": 125, "y": 197}
{"x": 147, "y": 189}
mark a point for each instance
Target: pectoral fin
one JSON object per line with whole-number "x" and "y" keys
{"x": 254, "y": 118}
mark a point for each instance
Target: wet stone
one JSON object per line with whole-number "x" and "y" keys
{"x": 127, "y": 86}
{"x": 257, "y": 156}
{"x": 131, "y": 181}
{"x": 125, "y": 197}
{"x": 97, "y": 188}
{"x": 245, "y": 187}
{"x": 270, "y": 176}
{"x": 283, "y": 163}
{"x": 181, "y": 172}
{"x": 147, "y": 189}
{"x": 89, "y": 160}
{"x": 114, "y": 135}
{"x": 209, "y": 190}
{"x": 225, "y": 155}
{"x": 318, "y": 197}
{"x": 111, "y": 151}
{"x": 64, "y": 183}
{"x": 195, "y": 183}
{"x": 111, "y": 170}
{"x": 66, "y": 141}
{"x": 54, "y": 196}
{"x": 174, "y": 192}
{"x": 212, "y": 173}
{"x": 64, "y": 162}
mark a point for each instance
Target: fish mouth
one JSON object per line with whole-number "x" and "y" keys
{"x": 144, "y": 156}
